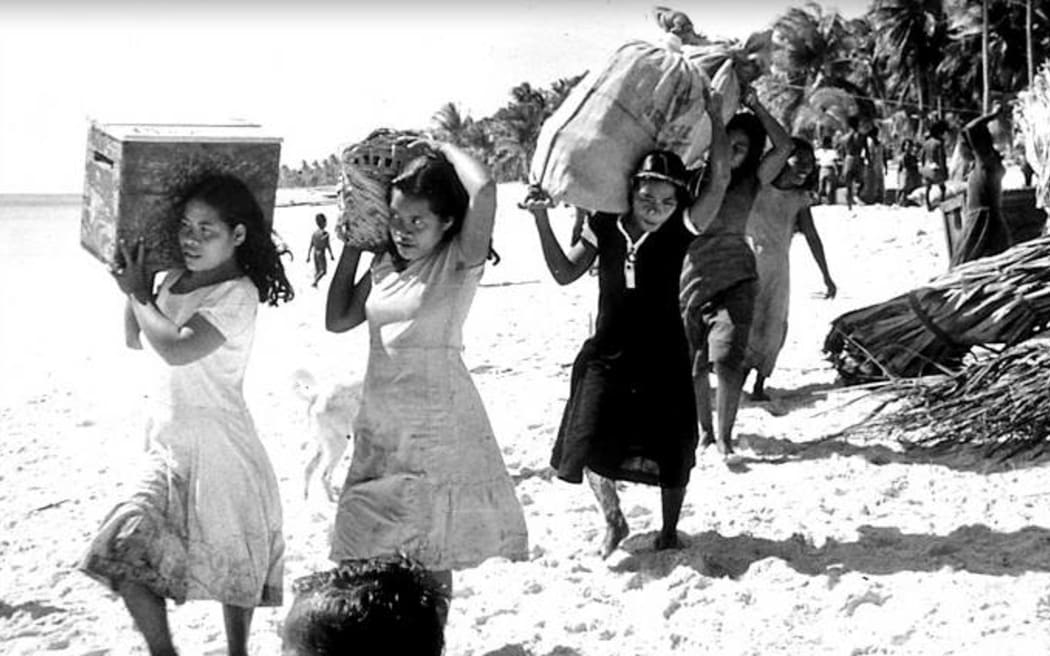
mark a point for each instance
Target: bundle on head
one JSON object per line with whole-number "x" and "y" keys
{"x": 364, "y": 192}
{"x": 1033, "y": 115}
{"x": 1001, "y": 299}
{"x": 1000, "y": 407}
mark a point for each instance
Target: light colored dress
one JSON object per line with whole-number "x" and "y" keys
{"x": 770, "y": 226}
{"x": 204, "y": 522}
{"x": 427, "y": 478}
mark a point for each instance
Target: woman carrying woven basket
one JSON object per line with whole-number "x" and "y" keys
{"x": 427, "y": 478}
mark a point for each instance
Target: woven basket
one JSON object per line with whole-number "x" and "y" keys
{"x": 367, "y": 169}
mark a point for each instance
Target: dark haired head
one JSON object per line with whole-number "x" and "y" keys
{"x": 939, "y": 127}
{"x": 665, "y": 166}
{"x": 751, "y": 126}
{"x": 431, "y": 177}
{"x": 257, "y": 257}
{"x": 373, "y": 606}
{"x": 802, "y": 149}
{"x": 853, "y": 122}
{"x": 321, "y": 220}
{"x": 826, "y": 142}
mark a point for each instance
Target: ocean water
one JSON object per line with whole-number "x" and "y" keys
{"x": 38, "y": 225}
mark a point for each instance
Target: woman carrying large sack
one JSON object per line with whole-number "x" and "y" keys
{"x": 631, "y": 414}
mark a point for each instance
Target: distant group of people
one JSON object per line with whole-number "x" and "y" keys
{"x": 857, "y": 163}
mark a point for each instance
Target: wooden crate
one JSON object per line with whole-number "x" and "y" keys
{"x": 136, "y": 174}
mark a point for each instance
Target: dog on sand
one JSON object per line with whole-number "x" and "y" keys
{"x": 330, "y": 411}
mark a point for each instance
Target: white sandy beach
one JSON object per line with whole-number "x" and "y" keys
{"x": 846, "y": 547}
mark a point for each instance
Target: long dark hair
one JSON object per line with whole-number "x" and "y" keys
{"x": 432, "y": 178}
{"x": 257, "y": 256}
{"x": 751, "y": 126}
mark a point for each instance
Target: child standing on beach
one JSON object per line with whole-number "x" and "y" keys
{"x": 718, "y": 283}
{"x": 631, "y": 414}
{"x": 427, "y": 478}
{"x": 828, "y": 161}
{"x": 205, "y": 520}
{"x": 319, "y": 245}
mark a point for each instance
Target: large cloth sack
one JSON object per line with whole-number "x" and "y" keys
{"x": 367, "y": 168}
{"x": 647, "y": 96}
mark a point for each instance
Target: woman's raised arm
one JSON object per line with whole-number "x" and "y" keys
{"x": 716, "y": 178}
{"x": 476, "y": 234}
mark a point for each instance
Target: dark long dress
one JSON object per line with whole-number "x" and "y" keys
{"x": 985, "y": 231}
{"x": 631, "y": 413}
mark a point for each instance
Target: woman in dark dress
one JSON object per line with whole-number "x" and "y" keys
{"x": 985, "y": 231}
{"x": 631, "y": 413}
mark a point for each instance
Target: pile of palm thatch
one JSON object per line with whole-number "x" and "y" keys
{"x": 1001, "y": 299}
{"x": 1000, "y": 407}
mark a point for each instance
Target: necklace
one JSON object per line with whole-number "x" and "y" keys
{"x": 632, "y": 251}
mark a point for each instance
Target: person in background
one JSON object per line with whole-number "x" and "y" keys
{"x": 320, "y": 244}
{"x": 875, "y": 178}
{"x": 780, "y": 210}
{"x": 985, "y": 230}
{"x": 855, "y": 148}
{"x": 933, "y": 161}
{"x": 827, "y": 178}
{"x": 387, "y": 605}
{"x": 908, "y": 177}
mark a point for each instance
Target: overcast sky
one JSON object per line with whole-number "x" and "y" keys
{"x": 318, "y": 74}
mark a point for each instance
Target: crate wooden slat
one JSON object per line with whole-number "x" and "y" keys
{"x": 136, "y": 173}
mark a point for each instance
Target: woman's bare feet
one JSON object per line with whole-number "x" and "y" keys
{"x": 615, "y": 532}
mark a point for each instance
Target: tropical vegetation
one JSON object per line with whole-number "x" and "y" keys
{"x": 899, "y": 65}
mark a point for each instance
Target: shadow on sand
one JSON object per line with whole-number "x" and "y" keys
{"x": 880, "y": 550}
{"x": 772, "y": 451}
{"x": 518, "y": 650}
{"x": 785, "y": 401}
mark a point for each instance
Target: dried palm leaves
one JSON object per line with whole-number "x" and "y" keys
{"x": 1001, "y": 299}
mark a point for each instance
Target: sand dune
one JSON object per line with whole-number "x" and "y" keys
{"x": 813, "y": 547}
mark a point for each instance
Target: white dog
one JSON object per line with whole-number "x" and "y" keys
{"x": 330, "y": 411}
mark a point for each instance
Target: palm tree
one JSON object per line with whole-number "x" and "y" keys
{"x": 517, "y": 127}
{"x": 814, "y": 49}
{"x": 1007, "y": 48}
{"x": 450, "y": 124}
{"x": 912, "y": 36}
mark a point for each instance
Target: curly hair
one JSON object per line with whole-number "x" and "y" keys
{"x": 257, "y": 256}
{"x": 385, "y": 605}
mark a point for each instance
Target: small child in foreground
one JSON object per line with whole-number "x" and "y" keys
{"x": 387, "y": 605}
